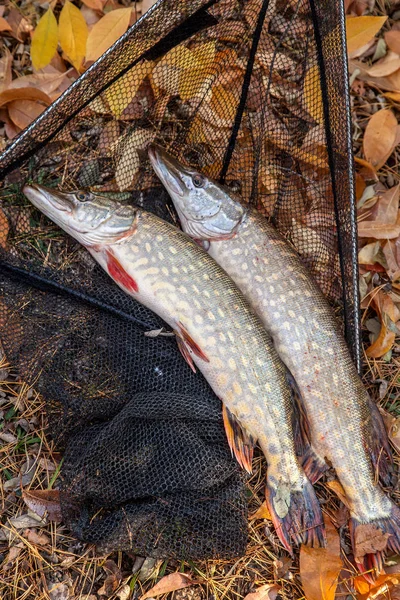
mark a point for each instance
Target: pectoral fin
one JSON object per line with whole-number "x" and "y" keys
{"x": 186, "y": 344}
{"x": 240, "y": 442}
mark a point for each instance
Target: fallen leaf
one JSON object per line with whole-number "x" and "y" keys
{"x": 4, "y": 229}
{"x": 380, "y": 137}
{"x": 320, "y": 567}
{"x": 106, "y": 32}
{"x": 380, "y": 589}
{"x": 386, "y": 66}
{"x": 28, "y": 93}
{"x": 390, "y": 253}
{"x": 4, "y": 26}
{"x": 46, "y": 82}
{"x": 367, "y": 170}
{"x": 382, "y": 344}
{"x": 129, "y": 162}
{"x": 94, "y": 4}
{"x": 44, "y": 502}
{"x": 5, "y": 70}
{"x": 387, "y": 208}
{"x": 360, "y": 30}
{"x": 23, "y": 112}
{"x": 34, "y": 538}
{"x": 44, "y": 40}
{"x": 313, "y": 95}
{"x": 120, "y": 94}
{"x": 392, "y": 39}
{"x": 169, "y": 583}
{"x": 261, "y": 513}
{"x": 73, "y": 34}
{"x": 392, "y": 425}
{"x": 337, "y": 487}
{"x": 269, "y": 591}
{"x": 19, "y": 24}
{"x": 379, "y": 231}
{"x": 368, "y": 539}
{"x": 395, "y": 96}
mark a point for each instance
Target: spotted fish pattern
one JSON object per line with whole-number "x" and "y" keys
{"x": 218, "y": 332}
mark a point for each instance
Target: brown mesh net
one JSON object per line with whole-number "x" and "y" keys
{"x": 253, "y": 93}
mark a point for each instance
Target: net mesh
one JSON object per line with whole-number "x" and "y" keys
{"x": 253, "y": 93}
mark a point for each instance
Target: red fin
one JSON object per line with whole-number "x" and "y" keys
{"x": 388, "y": 540}
{"x": 185, "y": 352}
{"x": 119, "y": 274}
{"x": 240, "y": 442}
{"x": 379, "y": 447}
{"x": 189, "y": 341}
{"x": 303, "y": 522}
{"x": 314, "y": 466}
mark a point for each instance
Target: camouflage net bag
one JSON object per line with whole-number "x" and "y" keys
{"x": 255, "y": 94}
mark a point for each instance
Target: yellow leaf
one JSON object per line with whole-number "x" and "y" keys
{"x": 312, "y": 94}
{"x": 337, "y": 487}
{"x": 4, "y": 228}
{"x": 129, "y": 162}
{"x": 106, "y": 32}
{"x": 120, "y": 94}
{"x": 261, "y": 513}
{"x": 73, "y": 33}
{"x": 44, "y": 40}
{"x": 360, "y": 30}
{"x": 320, "y": 567}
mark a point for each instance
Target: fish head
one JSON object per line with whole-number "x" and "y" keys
{"x": 207, "y": 209}
{"x": 89, "y": 218}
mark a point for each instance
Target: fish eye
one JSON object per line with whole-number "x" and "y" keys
{"x": 198, "y": 180}
{"x": 82, "y": 197}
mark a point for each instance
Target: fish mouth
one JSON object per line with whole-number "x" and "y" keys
{"x": 168, "y": 169}
{"x": 47, "y": 200}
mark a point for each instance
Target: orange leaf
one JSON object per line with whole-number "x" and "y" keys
{"x": 28, "y": 93}
{"x": 4, "y": 229}
{"x": 360, "y": 30}
{"x": 320, "y": 567}
{"x": 393, "y": 96}
{"x": 392, "y": 39}
{"x": 386, "y": 66}
{"x": 94, "y": 4}
{"x": 106, "y": 32}
{"x": 380, "y": 137}
{"x": 382, "y": 344}
{"x": 4, "y": 26}
{"x": 44, "y": 502}
{"x": 23, "y": 112}
{"x": 261, "y": 513}
{"x": 337, "y": 487}
{"x": 269, "y": 591}
{"x": 169, "y": 583}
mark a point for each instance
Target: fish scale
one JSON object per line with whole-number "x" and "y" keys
{"x": 343, "y": 425}
{"x": 217, "y": 331}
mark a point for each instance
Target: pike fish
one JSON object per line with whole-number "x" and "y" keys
{"x": 344, "y": 426}
{"x": 161, "y": 267}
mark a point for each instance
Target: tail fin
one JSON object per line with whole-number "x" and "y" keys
{"x": 372, "y": 541}
{"x": 296, "y": 514}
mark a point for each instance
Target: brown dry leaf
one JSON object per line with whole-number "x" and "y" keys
{"x": 46, "y": 82}
{"x": 106, "y": 32}
{"x": 19, "y": 24}
{"x": 370, "y": 229}
{"x": 23, "y": 112}
{"x": 44, "y": 502}
{"x": 4, "y": 25}
{"x": 386, "y": 66}
{"x": 392, "y": 425}
{"x": 5, "y": 70}
{"x": 26, "y": 93}
{"x": 169, "y": 583}
{"x": 34, "y": 538}
{"x": 94, "y": 4}
{"x": 390, "y": 253}
{"x": 388, "y": 314}
{"x": 380, "y": 137}
{"x": 386, "y": 210}
{"x": 261, "y": 513}
{"x": 4, "y": 229}
{"x": 360, "y": 30}
{"x": 320, "y": 567}
{"x": 337, "y": 487}
{"x": 367, "y": 170}
{"x": 109, "y": 137}
{"x": 269, "y": 591}
{"x": 392, "y": 39}
{"x": 369, "y": 539}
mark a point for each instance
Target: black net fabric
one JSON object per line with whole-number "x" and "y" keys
{"x": 253, "y": 93}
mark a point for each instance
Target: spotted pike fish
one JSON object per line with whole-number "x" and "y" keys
{"x": 217, "y": 331}
{"x": 344, "y": 426}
